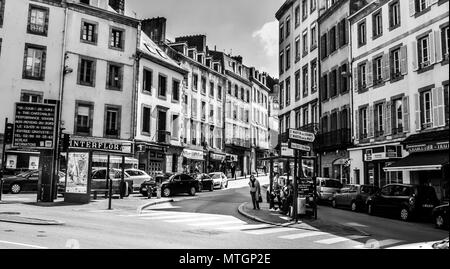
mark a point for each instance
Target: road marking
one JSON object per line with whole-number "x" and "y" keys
{"x": 354, "y": 224}
{"x": 269, "y": 231}
{"x": 217, "y": 223}
{"x": 21, "y": 244}
{"x": 244, "y": 227}
{"x": 302, "y": 235}
{"x": 206, "y": 218}
{"x": 169, "y": 217}
{"x": 375, "y": 244}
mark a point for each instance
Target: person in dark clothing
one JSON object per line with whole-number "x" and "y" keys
{"x": 255, "y": 191}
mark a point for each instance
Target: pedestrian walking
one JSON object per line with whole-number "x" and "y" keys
{"x": 255, "y": 192}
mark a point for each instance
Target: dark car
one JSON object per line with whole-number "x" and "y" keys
{"x": 205, "y": 182}
{"x": 440, "y": 216}
{"x": 179, "y": 183}
{"x": 353, "y": 196}
{"x": 151, "y": 184}
{"x": 26, "y": 181}
{"x": 406, "y": 201}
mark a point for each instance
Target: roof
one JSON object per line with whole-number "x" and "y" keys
{"x": 149, "y": 47}
{"x": 283, "y": 9}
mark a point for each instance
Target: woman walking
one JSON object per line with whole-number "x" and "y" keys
{"x": 255, "y": 191}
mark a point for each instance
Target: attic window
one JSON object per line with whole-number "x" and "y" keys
{"x": 150, "y": 48}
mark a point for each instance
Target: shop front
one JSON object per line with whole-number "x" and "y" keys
{"x": 427, "y": 162}
{"x": 376, "y": 159}
{"x": 193, "y": 161}
{"x": 18, "y": 161}
{"x": 152, "y": 158}
{"x": 217, "y": 162}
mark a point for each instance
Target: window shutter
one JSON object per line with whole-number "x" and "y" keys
{"x": 43, "y": 65}
{"x": 79, "y": 70}
{"x": 384, "y": 117}
{"x": 47, "y": 15}
{"x": 438, "y": 42}
{"x": 338, "y": 35}
{"x": 357, "y": 131}
{"x": 121, "y": 70}
{"x": 412, "y": 7}
{"x": 386, "y": 67}
{"x": 404, "y": 60}
{"x": 346, "y": 30}
{"x": 434, "y": 105}
{"x": 441, "y": 106}
{"x": 108, "y": 82}
{"x": 432, "y": 48}
{"x": 427, "y": 3}
{"x": 355, "y": 79}
{"x": 338, "y": 80}
{"x": 406, "y": 117}
{"x": 415, "y": 56}
{"x": 369, "y": 78}
{"x": 370, "y": 122}
{"x": 388, "y": 119}
{"x": 417, "y": 107}
{"x": 93, "y": 72}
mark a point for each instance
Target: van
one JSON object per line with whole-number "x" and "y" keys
{"x": 327, "y": 187}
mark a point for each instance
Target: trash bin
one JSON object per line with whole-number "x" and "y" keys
{"x": 301, "y": 206}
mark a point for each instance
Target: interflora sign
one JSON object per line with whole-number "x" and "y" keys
{"x": 34, "y": 125}
{"x": 113, "y": 146}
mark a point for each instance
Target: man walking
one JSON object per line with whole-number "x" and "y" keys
{"x": 255, "y": 191}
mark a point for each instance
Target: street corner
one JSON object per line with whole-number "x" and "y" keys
{"x": 264, "y": 215}
{"x": 335, "y": 228}
{"x": 154, "y": 202}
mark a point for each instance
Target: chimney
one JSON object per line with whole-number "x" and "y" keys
{"x": 238, "y": 58}
{"x": 198, "y": 41}
{"x": 118, "y": 6}
{"x": 155, "y": 28}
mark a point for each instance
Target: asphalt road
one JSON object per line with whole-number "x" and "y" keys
{"x": 209, "y": 221}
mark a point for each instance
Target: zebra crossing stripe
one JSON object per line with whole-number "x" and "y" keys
{"x": 269, "y": 231}
{"x": 302, "y": 235}
{"x": 169, "y": 217}
{"x": 192, "y": 220}
{"x": 337, "y": 239}
{"x": 244, "y": 227}
{"x": 212, "y": 223}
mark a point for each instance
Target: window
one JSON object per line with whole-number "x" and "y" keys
{"x": 194, "y": 108}
{"x": 248, "y": 96}
{"x": 86, "y": 72}
{"x": 162, "y": 86}
{"x": 219, "y": 115}
{"x": 313, "y": 5}
{"x": 219, "y": 92}
{"x": 281, "y": 95}
{"x": 343, "y": 32}
{"x": 362, "y": 33}
{"x": 235, "y": 112}
{"x": 305, "y": 116}
{"x": 236, "y": 91}
{"x": 333, "y": 83}
{"x": 203, "y": 110}
{"x": 31, "y": 97}
{"x": 304, "y": 9}
{"x": 379, "y": 118}
{"x": 288, "y": 91}
{"x": 314, "y": 114}
{"x": 34, "y": 63}
{"x": 397, "y": 116}
{"x": 421, "y": 5}
{"x": 117, "y": 38}
{"x": 377, "y": 24}
{"x": 297, "y": 16}
{"x": 211, "y": 113}
{"x": 305, "y": 81}
{"x": 204, "y": 85}
{"x": 394, "y": 15}
{"x": 1, "y": 40}
{"x": 313, "y": 37}
{"x": 332, "y": 42}
{"x": 288, "y": 26}
{"x": 343, "y": 80}
{"x": 83, "y": 124}
{"x": 89, "y": 32}
{"x": 424, "y": 52}
{"x": 426, "y": 110}
{"x": 242, "y": 94}
{"x": 229, "y": 88}
{"x": 146, "y": 116}
{"x": 114, "y": 76}
{"x": 323, "y": 46}
{"x": 2, "y": 12}
{"x": 288, "y": 57}
{"x": 281, "y": 63}
{"x": 211, "y": 89}
{"x": 305, "y": 43}
{"x": 112, "y": 121}
{"x": 377, "y": 70}
{"x": 362, "y": 75}
{"x": 324, "y": 87}
{"x": 364, "y": 129}
{"x": 147, "y": 82}
{"x": 194, "y": 82}
{"x": 37, "y": 20}
{"x": 297, "y": 85}
{"x": 313, "y": 76}
{"x": 395, "y": 63}
{"x": 175, "y": 90}
{"x": 297, "y": 49}
{"x": 445, "y": 42}
{"x": 281, "y": 32}
{"x": 446, "y": 105}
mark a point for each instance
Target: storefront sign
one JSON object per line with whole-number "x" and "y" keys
{"x": 101, "y": 145}
{"x": 232, "y": 158}
{"x": 217, "y": 157}
{"x": 382, "y": 153}
{"x": 34, "y": 125}
{"x": 428, "y": 147}
{"x": 286, "y": 151}
{"x": 77, "y": 172}
{"x": 193, "y": 154}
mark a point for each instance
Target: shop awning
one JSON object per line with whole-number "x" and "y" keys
{"x": 426, "y": 161}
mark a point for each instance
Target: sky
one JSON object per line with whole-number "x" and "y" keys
{"x": 240, "y": 27}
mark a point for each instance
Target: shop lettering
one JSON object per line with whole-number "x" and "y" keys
{"x": 95, "y": 145}
{"x": 428, "y": 147}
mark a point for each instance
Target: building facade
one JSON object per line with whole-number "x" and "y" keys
{"x": 335, "y": 94}
{"x": 400, "y": 93}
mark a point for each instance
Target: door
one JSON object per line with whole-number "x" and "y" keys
{"x": 341, "y": 197}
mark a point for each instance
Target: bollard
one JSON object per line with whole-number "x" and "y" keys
{"x": 158, "y": 191}
{"x": 110, "y": 194}
{"x": 149, "y": 192}
{"x": 1, "y": 188}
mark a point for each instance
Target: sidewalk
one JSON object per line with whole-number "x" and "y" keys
{"x": 264, "y": 215}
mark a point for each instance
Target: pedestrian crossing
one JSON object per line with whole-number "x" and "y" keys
{"x": 227, "y": 223}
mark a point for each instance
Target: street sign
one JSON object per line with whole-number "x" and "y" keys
{"x": 34, "y": 126}
{"x": 301, "y": 136}
{"x": 286, "y": 151}
{"x": 301, "y": 147}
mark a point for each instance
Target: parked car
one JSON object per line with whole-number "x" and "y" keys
{"x": 99, "y": 180}
{"x": 440, "y": 216}
{"x": 220, "y": 180}
{"x": 24, "y": 182}
{"x": 327, "y": 187}
{"x": 179, "y": 183}
{"x": 405, "y": 200}
{"x": 205, "y": 182}
{"x": 138, "y": 177}
{"x": 353, "y": 196}
{"x": 151, "y": 184}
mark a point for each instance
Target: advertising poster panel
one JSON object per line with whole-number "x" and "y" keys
{"x": 33, "y": 163}
{"x": 77, "y": 172}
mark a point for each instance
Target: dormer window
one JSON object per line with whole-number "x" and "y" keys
{"x": 200, "y": 58}
{"x": 240, "y": 70}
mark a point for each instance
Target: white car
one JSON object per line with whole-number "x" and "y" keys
{"x": 220, "y": 180}
{"x": 138, "y": 177}
{"x": 442, "y": 244}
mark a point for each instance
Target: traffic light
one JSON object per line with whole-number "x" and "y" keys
{"x": 65, "y": 142}
{"x": 9, "y": 130}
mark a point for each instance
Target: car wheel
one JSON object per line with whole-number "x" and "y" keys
{"x": 439, "y": 221}
{"x": 16, "y": 188}
{"x": 404, "y": 214}
{"x": 166, "y": 192}
{"x": 354, "y": 206}
{"x": 370, "y": 209}
{"x": 333, "y": 203}
{"x": 192, "y": 191}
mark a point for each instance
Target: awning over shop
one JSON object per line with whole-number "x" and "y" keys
{"x": 193, "y": 155}
{"x": 426, "y": 161}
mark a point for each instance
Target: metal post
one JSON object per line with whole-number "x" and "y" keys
{"x": 271, "y": 183}
{"x": 295, "y": 217}
{"x": 122, "y": 180}
{"x": 1, "y": 188}
{"x": 109, "y": 182}
{"x": 3, "y": 159}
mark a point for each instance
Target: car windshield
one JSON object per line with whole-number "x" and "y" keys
{"x": 333, "y": 184}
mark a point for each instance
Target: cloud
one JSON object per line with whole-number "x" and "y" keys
{"x": 268, "y": 36}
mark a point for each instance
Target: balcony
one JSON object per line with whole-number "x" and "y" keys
{"x": 163, "y": 137}
{"x": 397, "y": 131}
{"x": 339, "y": 139}
{"x": 311, "y": 128}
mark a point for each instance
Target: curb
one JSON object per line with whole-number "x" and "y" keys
{"x": 139, "y": 210}
{"x": 31, "y": 221}
{"x": 247, "y": 215}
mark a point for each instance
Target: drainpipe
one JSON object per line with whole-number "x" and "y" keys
{"x": 350, "y": 76}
